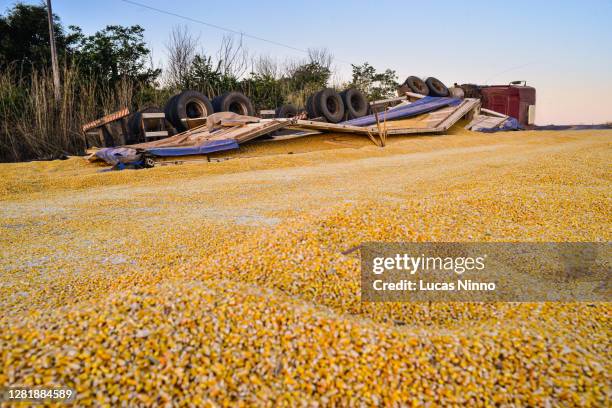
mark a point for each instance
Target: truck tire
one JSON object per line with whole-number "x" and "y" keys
{"x": 235, "y": 102}
{"x": 355, "y": 103}
{"x": 188, "y": 105}
{"x": 311, "y": 108}
{"x": 417, "y": 85}
{"x": 135, "y": 134}
{"x": 330, "y": 104}
{"x": 307, "y": 106}
{"x": 286, "y": 111}
{"x": 168, "y": 109}
{"x": 436, "y": 87}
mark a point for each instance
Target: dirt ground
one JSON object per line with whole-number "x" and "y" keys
{"x": 226, "y": 283}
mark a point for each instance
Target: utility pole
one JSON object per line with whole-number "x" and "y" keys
{"x": 54, "y": 64}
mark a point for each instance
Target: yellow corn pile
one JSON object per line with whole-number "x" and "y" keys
{"x": 233, "y": 283}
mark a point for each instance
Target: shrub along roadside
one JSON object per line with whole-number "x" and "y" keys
{"x": 111, "y": 69}
{"x": 34, "y": 126}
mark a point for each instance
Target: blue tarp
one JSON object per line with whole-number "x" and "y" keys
{"x": 128, "y": 157}
{"x": 509, "y": 124}
{"x": 423, "y": 105}
{"x": 116, "y": 155}
{"x": 208, "y": 147}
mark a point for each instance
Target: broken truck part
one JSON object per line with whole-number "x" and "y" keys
{"x": 226, "y": 130}
{"x": 109, "y": 130}
{"x": 516, "y": 100}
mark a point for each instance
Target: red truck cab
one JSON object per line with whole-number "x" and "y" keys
{"x": 513, "y": 100}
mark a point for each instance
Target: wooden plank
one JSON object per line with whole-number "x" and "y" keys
{"x": 444, "y": 119}
{"x": 414, "y": 95}
{"x": 332, "y": 127}
{"x": 161, "y": 133}
{"x": 296, "y": 135}
{"x": 231, "y": 123}
{"x": 485, "y": 122}
{"x": 192, "y": 123}
{"x": 441, "y": 114}
{"x": 493, "y": 113}
{"x": 261, "y": 130}
{"x": 409, "y": 131}
{"x": 467, "y": 105}
{"x": 154, "y": 115}
{"x": 246, "y": 132}
{"x": 106, "y": 119}
{"x": 388, "y": 100}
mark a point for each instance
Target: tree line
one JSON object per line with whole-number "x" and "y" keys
{"x": 113, "y": 68}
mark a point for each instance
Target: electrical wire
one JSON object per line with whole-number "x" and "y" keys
{"x": 218, "y": 27}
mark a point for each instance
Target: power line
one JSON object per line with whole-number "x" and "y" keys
{"x": 218, "y": 27}
{"x": 509, "y": 70}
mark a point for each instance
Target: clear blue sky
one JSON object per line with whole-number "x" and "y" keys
{"x": 563, "y": 48}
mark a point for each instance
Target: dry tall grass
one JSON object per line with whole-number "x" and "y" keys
{"x": 34, "y": 126}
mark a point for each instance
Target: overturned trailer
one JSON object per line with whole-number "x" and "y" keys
{"x": 226, "y": 130}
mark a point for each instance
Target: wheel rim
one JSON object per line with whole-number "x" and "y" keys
{"x": 238, "y": 107}
{"x": 195, "y": 109}
{"x": 331, "y": 105}
{"x": 437, "y": 86}
{"x": 355, "y": 103}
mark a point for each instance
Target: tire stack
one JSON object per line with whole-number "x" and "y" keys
{"x": 336, "y": 107}
{"x": 187, "y": 105}
{"x": 355, "y": 103}
{"x": 436, "y": 87}
{"x": 286, "y": 111}
{"x": 193, "y": 104}
{"x": 430, "y": 86}
{"x": 235, "y": 102}
{"x": 416, "y": 85}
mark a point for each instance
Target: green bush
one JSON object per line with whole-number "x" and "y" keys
{"x": 111, "y": 69}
